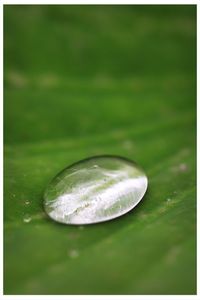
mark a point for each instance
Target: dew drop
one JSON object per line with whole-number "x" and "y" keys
{"x": 27, "y": 202}
{"x": 27, "y": 218}
{"x": 83, "y": 197}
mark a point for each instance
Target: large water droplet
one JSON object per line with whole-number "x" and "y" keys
{"x": 101, "y": 188}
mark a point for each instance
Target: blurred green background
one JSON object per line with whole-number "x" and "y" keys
{"x": 91, "y": 80}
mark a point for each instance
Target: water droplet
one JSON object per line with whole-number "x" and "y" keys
{"x": 73, "y": 253}
{"x": 27, "y": 202}
{"x": 83, "y": 197}
{"x": 168, "y": 199}
{"x": 27, "y": 218}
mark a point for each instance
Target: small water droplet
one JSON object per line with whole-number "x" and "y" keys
{"x": 73, "y": 253}
{"x": 168, "y": 199}
{"x": 27, "y": 218}
{"x": 27, "y": 202}
{"x": 91, "y": 200}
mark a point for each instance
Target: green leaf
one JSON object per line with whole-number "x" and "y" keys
{"x": 88, "y": 80}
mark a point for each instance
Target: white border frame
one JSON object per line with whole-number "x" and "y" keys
{"x": 105, "y": 2}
